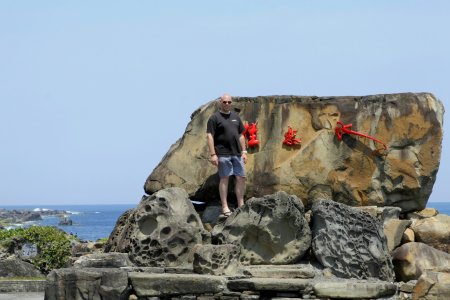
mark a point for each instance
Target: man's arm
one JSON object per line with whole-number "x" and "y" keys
{"x": 244, "y": 150}
{"x": 214, "y": 159}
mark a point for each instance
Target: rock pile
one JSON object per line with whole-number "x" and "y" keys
{"x": 327, "y": 219}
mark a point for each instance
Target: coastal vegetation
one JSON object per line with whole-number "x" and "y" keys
{"x": 53, "y": 245}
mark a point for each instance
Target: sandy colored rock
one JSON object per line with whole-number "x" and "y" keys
{"x": 422, "y": 214}
{"x": 432, "y": 286}
{"x": 408, "y": 236}
{"x": 269, "y": 230}
{"x": 394, "y": 230}
{"x": 433, "y": 231}
{"x": 163, "y": 285}
{"x": 355, "y": 171}
{"x": 412, "y": 259}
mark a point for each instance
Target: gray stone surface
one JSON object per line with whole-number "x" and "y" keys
{"x": 103, "y": 260}
{"x": 269, "y": 230}
{"x": 161, "y": 231}
{"x": 162, "y": 285}
{"x": 269, "y": 284}
{"x": 413, "y": 259}
{"x": 354, "y": 289}
{"x": 280, "y": 271}
{"x": 217, "y": 259}
{"x": 23, "y": 296}
{"x": 14, "y": 267}
{"x": 350, "y": 242}
{"x": 21, "y": 286}
{"x": 87, "y": 283}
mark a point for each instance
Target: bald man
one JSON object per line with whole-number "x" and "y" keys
{"x": 227, "y": 149}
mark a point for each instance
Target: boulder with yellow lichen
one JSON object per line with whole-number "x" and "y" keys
{"x": 356, "y": 171}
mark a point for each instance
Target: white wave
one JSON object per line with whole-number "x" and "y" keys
{"x": 41, "y": 209}
{"x": 73, "y": 212}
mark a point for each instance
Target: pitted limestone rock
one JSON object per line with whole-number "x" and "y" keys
{"x": 270, "y": 230}
{"x": 161, "y": 231}
{"x": 350, "y": 242}
{"x": 217, "y": 259}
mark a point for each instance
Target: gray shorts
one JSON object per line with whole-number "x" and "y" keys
{"x": 231, "y": 165}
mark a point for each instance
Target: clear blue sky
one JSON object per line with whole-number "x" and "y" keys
{"x": 93, "y": 93}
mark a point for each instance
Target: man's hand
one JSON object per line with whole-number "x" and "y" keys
{"x": 244, "y": 157}
{"x": 214, "y": 160}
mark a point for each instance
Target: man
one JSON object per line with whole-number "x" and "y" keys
{"x": 227, "y": 149}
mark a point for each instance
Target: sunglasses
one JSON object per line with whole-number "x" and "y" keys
{"x": 227, "y": 102}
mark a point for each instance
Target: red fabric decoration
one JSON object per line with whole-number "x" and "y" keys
{"x": 342, "y": 129}
{"x": 250, "y": 134}
{"x": 289, "y": 137}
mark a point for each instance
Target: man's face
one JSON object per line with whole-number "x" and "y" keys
{"x": 225, "y": 104}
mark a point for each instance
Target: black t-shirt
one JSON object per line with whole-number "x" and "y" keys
{"x": 226, "y": 130}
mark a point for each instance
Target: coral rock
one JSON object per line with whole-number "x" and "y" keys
{"x": 350, "y": 242}
{"x": 161, "y": 231}
{"x": 270, "y": 230}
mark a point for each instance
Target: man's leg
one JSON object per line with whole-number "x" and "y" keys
{"x": 239, "y": 190}
{"x": 223, "y": 191}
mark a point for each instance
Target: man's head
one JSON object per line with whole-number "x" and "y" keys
{"x": 225, "y": 103}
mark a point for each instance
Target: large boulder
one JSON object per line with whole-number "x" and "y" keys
{"x": 350, "y": 242}
{"x": 355, "y": 171}
{"x": 412, "y": 259}
{"x": 14, "y": 267}
{"x": 161, "y": 231}
{"x": 433, "y": 231}
{"x": 432, "y": 286}
{"x": 269, "y": 230}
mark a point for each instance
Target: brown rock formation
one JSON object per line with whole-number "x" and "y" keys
{"x": 412, "y": 259}
{"x": 434, "y": 232}
{"x": 355, "y": 171}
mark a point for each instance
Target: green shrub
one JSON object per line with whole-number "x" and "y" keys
{"x": 52, "y": 244}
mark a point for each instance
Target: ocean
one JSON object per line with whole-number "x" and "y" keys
{"x": 92, "y": 222}
{"x": 442, "y": 207}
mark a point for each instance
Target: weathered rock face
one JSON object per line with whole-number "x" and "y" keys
{"x": 270, "y": 230}
{"x": 161, "y": 231}
{"x": 88, "y": 283}
{"x": 432, "y": 285}
{"x": 103, "y": 260}
{"x": 434, "y": 231}
{"x": 217, "y": 259}
{"x": 413, "y": 259}
{"x": 14, "y": 267}
{"x": 350, "y": 242}
{"x": 353, "y": 171}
